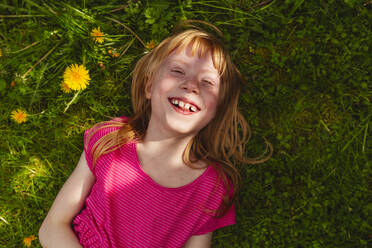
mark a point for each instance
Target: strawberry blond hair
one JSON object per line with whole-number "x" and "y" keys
{"x": 221, "y": 143}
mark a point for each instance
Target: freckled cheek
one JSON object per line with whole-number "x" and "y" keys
{"x": 165, "y": 85}
{"x": 211, "y": 102}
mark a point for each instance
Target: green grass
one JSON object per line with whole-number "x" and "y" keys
{"x": 307, "y": 65}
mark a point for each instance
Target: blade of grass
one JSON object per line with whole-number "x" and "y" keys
{"x": 80, "y": 13}
{"x": 27, "y": 47}
{"x": 364, "y": 139}
{"x": 50, "y": 9}
{"x": 4, "y": 220}
{"x": 229, "y": 9}
{"x": 118, "y": 9}
{"x": 37, "y": 6}
{"x": 20, "y": 16}
{"x": 348, "y": 143}
{"x": 44, "y": 57}
{"x": 12, "y": 8}
{"x": 296, "y": 6}
{"x": 38, "y": 80}
{"x": 126, "y": 49}
{"x": 267, "y": 5}
{"x": 126, "y": 27}
{"x": 264, "y": 3}
{"x": 325, "y": 126}
{"x": 230, "y": 22}
{"x": 49, "y": 164}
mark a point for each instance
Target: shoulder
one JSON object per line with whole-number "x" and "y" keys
{"x": 218, "y": 177}
{"x": 213, "y": 187}
{"x": 100, "y": 134}
{"x": 214, "y": 202}
{"x": 101, "y": 129}
{"x": 112, "y": 124}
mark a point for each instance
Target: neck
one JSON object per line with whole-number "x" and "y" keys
{"x": 164, "y": 148}
{"x": 167, "y": 150}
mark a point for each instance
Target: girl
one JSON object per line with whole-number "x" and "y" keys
{"x": 164, "y": 177}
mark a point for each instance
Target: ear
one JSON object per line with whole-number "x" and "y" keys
{"x": 148, "y": 88}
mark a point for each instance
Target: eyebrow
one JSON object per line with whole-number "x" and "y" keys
{"x": 180, "y": 61}
{"x": 187, "y": 64}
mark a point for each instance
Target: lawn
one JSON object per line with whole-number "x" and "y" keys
{"x": 308, "y": 70}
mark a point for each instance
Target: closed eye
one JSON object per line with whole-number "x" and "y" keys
{"x": 208, "y": 82}
{"x": 177, "y": 71}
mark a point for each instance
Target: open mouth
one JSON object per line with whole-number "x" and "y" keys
{"x": 183, "y": 105}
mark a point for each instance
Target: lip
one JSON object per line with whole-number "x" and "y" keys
{"x": 185, "y": 100}
{"x": 181, "y": 111}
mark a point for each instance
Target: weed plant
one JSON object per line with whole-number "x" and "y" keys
{"x": 308, "y": 70}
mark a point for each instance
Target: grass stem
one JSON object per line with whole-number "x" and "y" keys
{"x": 364, "y": 138}
{"x": 4, "y": 220}
{"x": 120, "y": 8}
{"x": 20, "y": 16}
{"x": 72, "y": 101}
{"x": 325, "y": 126}
{"x": 44, "y": 57}
{"x": 126, "y": 49}
{"x": 348, "y": 143}
{"x": 27, "y": 47}
{"x": 129, "y": 29}
{"x": 229, "y": 9}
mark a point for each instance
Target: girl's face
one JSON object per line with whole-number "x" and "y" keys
{"x": 184, "y": 93}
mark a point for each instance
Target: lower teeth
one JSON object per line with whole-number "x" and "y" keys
{"x": 186, "y": 110}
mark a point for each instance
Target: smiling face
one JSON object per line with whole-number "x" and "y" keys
{"x": 184, "y": 93}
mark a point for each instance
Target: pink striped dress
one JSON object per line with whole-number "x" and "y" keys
{"x": 127, "y": 208}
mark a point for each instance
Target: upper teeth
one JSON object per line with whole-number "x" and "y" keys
{"x": 183, "y": 105}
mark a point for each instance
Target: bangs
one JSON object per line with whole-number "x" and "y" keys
{"x": 201, "y": 44}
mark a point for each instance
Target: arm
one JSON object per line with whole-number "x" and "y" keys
{"x": 199, "y": 241}
{"x": 56, "y": 230}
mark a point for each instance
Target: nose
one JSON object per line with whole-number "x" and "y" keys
{"x": 191, "y": 85}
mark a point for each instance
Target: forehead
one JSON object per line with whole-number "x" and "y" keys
{"x": 188, "y": 56}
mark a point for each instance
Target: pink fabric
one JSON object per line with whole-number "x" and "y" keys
{"x": 127, "y": 208}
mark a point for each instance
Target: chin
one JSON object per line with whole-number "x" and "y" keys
{"x": 183, "y": 127}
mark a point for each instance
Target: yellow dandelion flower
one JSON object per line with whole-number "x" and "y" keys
{"x": 115, "y": 55}
{"x": 28, "y": 240}
{"x": 150, "y": 45}
{"x": 76, "y": 77}
{"x": 97, "y": 35}
{"x": 109, "y": 52}
{"x": 19, "y": 116}
{"x": 1, "y": 52}
{"x": 65, "y": 87}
